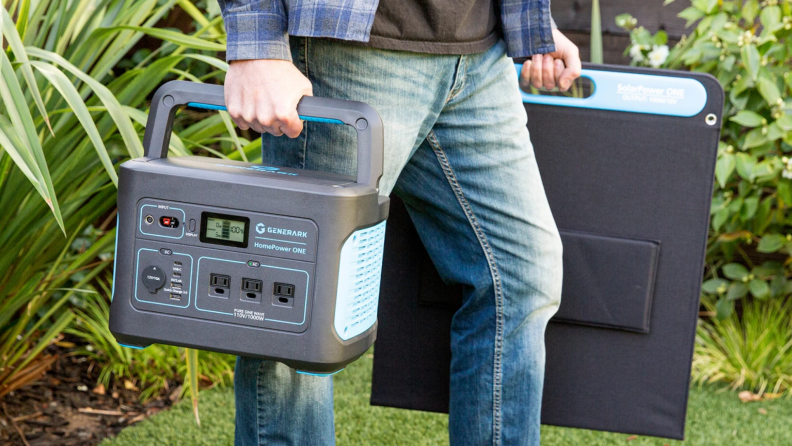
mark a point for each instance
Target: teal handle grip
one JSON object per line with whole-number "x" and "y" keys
{"x": 633, "y": 93}
{"x": 364, "y": 119}
{"x": 304, "y": 118}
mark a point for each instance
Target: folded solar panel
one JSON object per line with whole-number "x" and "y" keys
{"x": 628, "y": 173}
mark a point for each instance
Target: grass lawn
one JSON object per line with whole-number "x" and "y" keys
{"x": 713, "y": 419}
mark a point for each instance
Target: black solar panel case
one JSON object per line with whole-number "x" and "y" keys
{"x": 629, "y": 174}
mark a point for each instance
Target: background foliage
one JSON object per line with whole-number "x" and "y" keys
{"x": 75, "y": 78}
{"x": 747, "y": 46}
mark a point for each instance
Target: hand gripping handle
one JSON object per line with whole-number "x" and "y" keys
{"x": 360, "y": 116}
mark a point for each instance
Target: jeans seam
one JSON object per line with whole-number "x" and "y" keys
{"x": 485, "y": 246}
{"x": 258, "y": 385}
{"x": 461, "y": 77}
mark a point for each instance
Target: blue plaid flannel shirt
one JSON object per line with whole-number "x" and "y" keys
{"x": 260, "y": 29}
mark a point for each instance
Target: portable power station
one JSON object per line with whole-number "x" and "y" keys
{"x": 247, "y": 259}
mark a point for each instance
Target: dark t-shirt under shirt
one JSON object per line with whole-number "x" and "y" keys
{"x": 435, "y": 26}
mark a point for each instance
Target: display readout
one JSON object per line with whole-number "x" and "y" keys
{"x": 224, "y": 229}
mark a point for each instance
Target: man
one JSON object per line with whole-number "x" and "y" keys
{"x": 440, "y": 75}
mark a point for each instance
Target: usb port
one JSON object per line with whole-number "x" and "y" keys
{"x": 177, "y": 263}
{"x": 176, "y": 274}
{"x": 176, "y": 286}
{"x": 175, "y": 296}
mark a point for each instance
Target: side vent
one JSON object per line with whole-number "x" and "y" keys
{"x": 359, "y": 274}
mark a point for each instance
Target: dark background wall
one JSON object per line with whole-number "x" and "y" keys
{"x": 574, "y": 18}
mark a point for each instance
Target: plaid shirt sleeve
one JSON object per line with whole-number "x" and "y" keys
{"x": 260, "y": 29}
{"x": 256, "y": 29}
{"x": 527, "y": 27}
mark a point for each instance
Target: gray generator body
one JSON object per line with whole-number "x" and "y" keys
{"x": 253, "y": 260}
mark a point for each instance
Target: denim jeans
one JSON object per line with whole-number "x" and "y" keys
{"x": 457, "y": 151}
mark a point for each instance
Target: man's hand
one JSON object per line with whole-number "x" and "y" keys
{"x": 263, "y": 95}
{"x": 556, "y": 69}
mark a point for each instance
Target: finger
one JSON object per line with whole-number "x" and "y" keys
{"x": 272, "y": 130}
{"x": 241, "y": 124}
{"x": 572, "y": 70}
{"x": 234, "y": 110}
{"x": 548, "y": 77}
{"x": 256, "y": 127}
{"x": 288, "y": 121}
{"x": 536, "y": 71}
{"x": 248, "y": 116}
{"x": 559, "y": 68}
{"x": 525, "y": 75}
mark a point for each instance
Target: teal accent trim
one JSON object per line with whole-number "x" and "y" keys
{"x": 140, "y": 223}
{"x": 115, "y": 260}
{"x": 323, "y": 375}
{"x": 633, "y": 93}
{"x": 304, "y": 118}
{"x": 324, "y": 120}
{"x": 136, "y": 347}
{"x": 206, "y": 106}
{"x": 137, "y": 271}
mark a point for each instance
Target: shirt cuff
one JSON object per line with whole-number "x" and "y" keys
{"x": 256, "y": 35}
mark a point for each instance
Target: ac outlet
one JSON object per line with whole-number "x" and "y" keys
{"x": 283, "y": 301}
{"x": 251, "y": 290}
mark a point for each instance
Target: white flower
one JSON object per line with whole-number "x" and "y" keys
{"x": 658, "y": 55}
{"x": 636, "y": 52}
{"x": 786, "y": 174}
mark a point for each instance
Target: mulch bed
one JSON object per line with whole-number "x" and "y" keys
{"x": 66, "y": 407}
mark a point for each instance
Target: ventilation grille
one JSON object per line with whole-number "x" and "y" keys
{"x": 359, "y": 276}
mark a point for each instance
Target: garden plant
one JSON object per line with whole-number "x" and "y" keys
{"x": 74, "y": 83}
{"x": 747, "y": 46}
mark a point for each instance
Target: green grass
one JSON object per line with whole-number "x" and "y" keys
{"x": 713, "y": 419}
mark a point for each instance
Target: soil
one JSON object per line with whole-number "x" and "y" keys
{"x": 66, "y": 407}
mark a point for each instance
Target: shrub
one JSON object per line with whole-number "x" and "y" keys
{"x": 748, "y": 48}
{"x": 152, "y": 368}
{"x": 753, "y": 351}
{"x": 72, "y": 109}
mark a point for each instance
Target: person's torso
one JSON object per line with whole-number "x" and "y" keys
{"x": 435, "y": 26}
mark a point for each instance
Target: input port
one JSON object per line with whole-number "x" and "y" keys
{"x": 283, "y": 289}
{"x": 149, "y": 219}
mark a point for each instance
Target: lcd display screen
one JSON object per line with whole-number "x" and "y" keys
{"x": 224, "y": 229}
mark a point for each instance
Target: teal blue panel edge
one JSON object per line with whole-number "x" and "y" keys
{"x": 136, "y": 347}
{"x": 318, "y": 374}
{"x": 115, "y": 260}
{"x": 633, "y": 93}
{"x": 304, "y": 118}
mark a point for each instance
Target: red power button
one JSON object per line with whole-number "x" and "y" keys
{"x": 169, "y": 222}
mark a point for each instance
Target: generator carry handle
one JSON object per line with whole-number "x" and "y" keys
{"x": 362, "y": 117}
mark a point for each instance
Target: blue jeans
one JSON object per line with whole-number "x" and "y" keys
{"x": 457, "y": 151}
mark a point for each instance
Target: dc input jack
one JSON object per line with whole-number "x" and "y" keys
{"x": 149, "y": 219}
